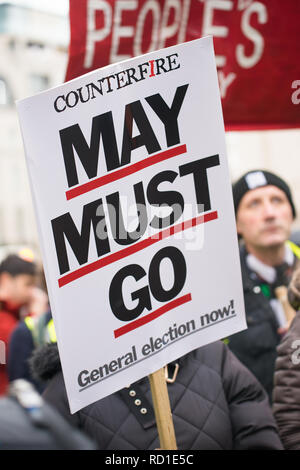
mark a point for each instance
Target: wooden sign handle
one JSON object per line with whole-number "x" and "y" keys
{"x": 162, "y": 410}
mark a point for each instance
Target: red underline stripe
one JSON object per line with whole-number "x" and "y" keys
{"x": 130, "y": 250}
{"x": 153, "y": 315}
{"x": 126, "y": 171}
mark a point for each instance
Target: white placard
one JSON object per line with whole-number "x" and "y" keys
{"x": 132, "y": 285}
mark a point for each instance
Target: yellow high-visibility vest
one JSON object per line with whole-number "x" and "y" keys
{"x": 295, "y": 248}
{"x": 41, "y": 333}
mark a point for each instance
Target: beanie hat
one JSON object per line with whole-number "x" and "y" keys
{"x": 255, "y": 179}
{"x": 15, "y": 265}
{"x": 294, "y": 290}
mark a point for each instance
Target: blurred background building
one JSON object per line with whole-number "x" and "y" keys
{"x": 34, "y": 37}
{"x": 33, "y": 57}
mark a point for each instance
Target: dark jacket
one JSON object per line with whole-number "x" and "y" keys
{"x": 216, "y": 404}
{"x": 256, "y": 346}
{"x": 21, "y": 347}
{"x": 286, "y": 395}
{"x": 38, "y": 428}
{"x": 9, "y": 319}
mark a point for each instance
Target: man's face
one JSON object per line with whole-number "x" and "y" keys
{"x": 18, "y": 288}
{"x": 264, "y": 217}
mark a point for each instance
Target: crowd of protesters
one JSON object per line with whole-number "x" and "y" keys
{"x": 239, "y": 393}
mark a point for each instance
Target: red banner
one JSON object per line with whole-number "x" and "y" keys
{"x": 257, "y": 47}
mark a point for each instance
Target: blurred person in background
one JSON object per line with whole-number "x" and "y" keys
{"x": 264, "y": 214}
{"x": 28, "y": 423}
{"x": 18, "y": 296}
{"x": 31, "y": 332}
{"x": 286, "y": 394}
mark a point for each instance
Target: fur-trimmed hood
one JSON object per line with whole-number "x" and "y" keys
{"x": 45, "y": 362}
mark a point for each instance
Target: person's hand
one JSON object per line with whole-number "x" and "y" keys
{"x": 282, "y": 330}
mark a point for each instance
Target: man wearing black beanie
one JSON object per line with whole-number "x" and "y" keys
{"x": 264, "y": 211}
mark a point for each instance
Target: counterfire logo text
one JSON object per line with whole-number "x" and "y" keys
{"x": 115, "y": 81}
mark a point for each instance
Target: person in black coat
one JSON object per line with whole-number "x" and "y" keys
{"x": 217, "y": 404}
{"x": 264, "y": 214}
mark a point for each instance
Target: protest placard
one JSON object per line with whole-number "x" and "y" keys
{"x": 133, "y": 200}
